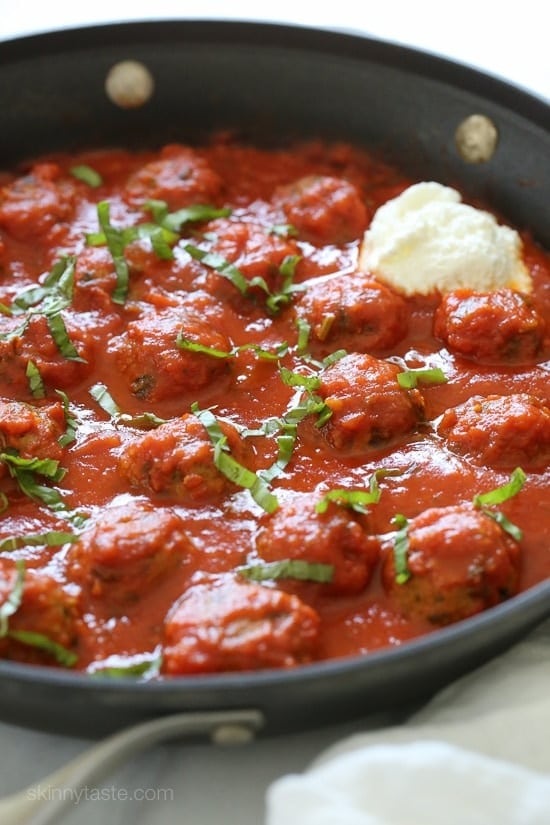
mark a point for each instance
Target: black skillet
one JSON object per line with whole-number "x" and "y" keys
{"x": 270, "y": 82}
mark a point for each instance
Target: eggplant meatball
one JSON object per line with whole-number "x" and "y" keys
{"x": 297, "y": 531}
{"x": 126, "y": 550}
{"x": 30, "y": 206}
{"x": 500, "y": 430}
{"x": 180, "y": 177}
{"x": 33, "y": 432}
{"x": 148, "y": 355}
{"x": 228, "y": 625}
{"x": 353, "y": 312}
{"x": 46, "y": 608}
{"x": 178, "y": 458}
{"x": 490, "y": 327}
{"x": 460, "y": 563}
{"x": 324, "y": 210}
{"x": 254, "y": 251}
{"x": 35, "y": 343}
{"x": 367, "y": 404}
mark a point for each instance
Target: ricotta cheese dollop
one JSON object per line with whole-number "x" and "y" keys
{"x": 427, "y": 240}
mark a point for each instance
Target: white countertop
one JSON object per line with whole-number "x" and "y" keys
{"x": 210, "y": 785}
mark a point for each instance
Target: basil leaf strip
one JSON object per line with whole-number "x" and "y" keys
{"x": 147, "y": 667}
{"x": 36, "y": 384}
{"x": 14, "y": 599}
{"x": 288, "y": 569}
{"x": 53, "y": 538}
{"x": 401, "y": 549}
{"x": 501, "y": 494}
{"x": 409, "y": 379}
{"x": 87, "y": 175}
{"x": 116, "y": 244}
{"x": 141, "y": 421}
{"x": 60, "y": 335}
{"x": 296, "y": 379}
{"x": 41, "y": 642}
{"x": 230, "y": 467}
{"x": 71, "y": 421}
{"x": 174, "y": 221}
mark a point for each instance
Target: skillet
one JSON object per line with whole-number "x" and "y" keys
{"x": 260, "y": 80}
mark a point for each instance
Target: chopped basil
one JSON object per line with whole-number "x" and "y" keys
{"x": 71, "y": 421}
{"x": 103, "y": 397}
{"x": 116, "y": 243}
{"x": 401, "y": 549}
{"x": 24, "y": 472}
{"x": 36, "y": 384}
{"x": 353, "y": 499}
{"x": 146, "y": 667}
{"x": 333, "y": 358}
{"x": 283, "y": 230}
{"x": 296, "y": 379}
{"x": 304, "y": 331}
{"x": 501, "y": 494}
{"x": 409, "y": 379}
{"x": 53, "y": 538}
{"x": 141, "y": 421}
{"x": 220, "y": 265}
{"x": 4, "y": 503}
{"x": 230, "y": 467}
{"x": 60, "y": 335}
{"x": 274, "y": 300}
{"x": 193, "y": 346}
{"x": 13, "y": 601}
{"x": 288, "y": 569}
{"x": 174, "y": 221}
{"x": 5, "y": 309}
{"x": 87, "y": 175}
{"x": 41, "y": 642}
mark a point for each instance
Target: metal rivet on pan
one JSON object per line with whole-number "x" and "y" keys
{"x": 129, "y": 84}
{"x": 232, "y": 734}
{"x": 476, "y": 139}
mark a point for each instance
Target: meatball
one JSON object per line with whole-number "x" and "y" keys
{"x": 126, "y": 550}
{"x": 228, "y": 625}
{"x": 156, "y": 368}
{"x": 46, "y": 608}
{"x": 490, "y": 327}
{"x": 178, "y": 458}
{"x": 254, "y": 252}
{"x": 33, "y": 432}
{"x": 180, "y": 177}
{"x": 500, "y": 430}
{"x": 368, "y": 406}
{"x": 32, "y": 205}
{"x": 460, "y": 562}
{"x": 324, "y": 210}
{"x": 334, "y": 537}
{"x": 353, "y": 312}
{"x": 35, "y": 343}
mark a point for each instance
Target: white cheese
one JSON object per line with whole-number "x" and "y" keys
{"x": 427, "y": 240}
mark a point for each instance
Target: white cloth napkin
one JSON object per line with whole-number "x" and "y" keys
{"x": 477, "y": 754}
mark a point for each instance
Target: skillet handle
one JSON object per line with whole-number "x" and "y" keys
{"x": 44, "y": 802}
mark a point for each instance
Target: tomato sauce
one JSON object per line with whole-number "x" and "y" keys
{"x": 190, "y": 361}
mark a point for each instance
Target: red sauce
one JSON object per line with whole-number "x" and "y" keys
{"x": 154, "y": 567}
